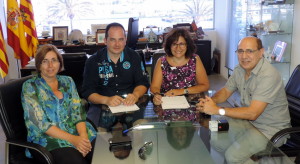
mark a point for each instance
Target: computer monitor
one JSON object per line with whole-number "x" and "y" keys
{"x": 133, "y": 32}
{"x": 186, "y": 26}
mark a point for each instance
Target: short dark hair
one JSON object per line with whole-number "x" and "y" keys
{"x": 174, "y": 35}
{"x": 41, "y": 53}
{"x": 113, "y": 25}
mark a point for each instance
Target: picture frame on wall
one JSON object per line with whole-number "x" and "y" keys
{"x": 60, "y": 33}
{"x": 100, "y": 35}
{"x": 96, "y": 27}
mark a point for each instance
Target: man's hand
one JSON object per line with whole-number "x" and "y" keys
{"x": 130, "y": 99}
{"x": 114, "y": 101}
{"x": 207, "y": 106}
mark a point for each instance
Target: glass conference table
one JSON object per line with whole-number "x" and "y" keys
{"x": 183, "y": 136}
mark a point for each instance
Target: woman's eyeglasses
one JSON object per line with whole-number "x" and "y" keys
{"x": 52, "y": 61}
{"x": 181, "y": 45}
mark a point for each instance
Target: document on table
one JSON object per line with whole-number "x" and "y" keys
{"x": 123, "y": 108}
{"x": 175, "y": 102}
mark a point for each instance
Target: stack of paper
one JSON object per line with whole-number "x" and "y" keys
{"x": 123, "y": 108}
{"x": 175, "y": 102}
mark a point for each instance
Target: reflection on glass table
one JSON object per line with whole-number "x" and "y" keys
{"x": 186, "y": 138}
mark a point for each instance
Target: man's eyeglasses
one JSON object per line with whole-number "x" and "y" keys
{"x": 181, "y": 45}
{"x": 52, "y": 61}
{"x": 247, "y": 51}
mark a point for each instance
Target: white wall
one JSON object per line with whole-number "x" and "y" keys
{"x": 211, "y": 35}
{"x": 295, "y": 57}
{"x": 222, "y": 20}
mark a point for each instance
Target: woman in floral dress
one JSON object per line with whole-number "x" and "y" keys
{"x": 180, "y": 71}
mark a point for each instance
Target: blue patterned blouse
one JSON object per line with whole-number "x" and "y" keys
{"x": 42, "y": 109}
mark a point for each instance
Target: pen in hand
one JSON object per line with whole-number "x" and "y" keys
{"x": 157, "y": 98}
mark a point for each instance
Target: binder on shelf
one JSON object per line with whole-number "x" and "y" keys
{"x": 278, "y": 50}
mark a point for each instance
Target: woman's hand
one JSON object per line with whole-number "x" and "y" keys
{"x": 82, "y": 144}
{"x": 157, "y": 99}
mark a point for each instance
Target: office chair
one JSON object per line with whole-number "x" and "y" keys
{"x": 155, "y": 57}
{"x": 133, "y": 32}
{"x": 292, "y": 88}
{"x": 74, "y": 67}
{"x": 13, "y": 124}
{"x": 292, "y": 147}
{"x": 141, "y": 54}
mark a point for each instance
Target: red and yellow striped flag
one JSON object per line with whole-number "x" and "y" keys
{"x": 29, "y": 26}
{"x": 3, "y": 57}
{"x": 15, "y": 32}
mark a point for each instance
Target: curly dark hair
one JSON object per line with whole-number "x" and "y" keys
{"x": 174, "y": 35}
{"x": 172, "y": 140}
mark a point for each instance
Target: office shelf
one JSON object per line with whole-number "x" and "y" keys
{"x": 271, "y": 21}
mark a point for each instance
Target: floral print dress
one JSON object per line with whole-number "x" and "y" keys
{"x": 42, "y": 109}
{"x": 178, "y": 78}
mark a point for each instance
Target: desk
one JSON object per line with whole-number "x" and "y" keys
{"x": 197, "y": 144}
{"x": 143, "y": 45}
{"x": 28, "y": 70}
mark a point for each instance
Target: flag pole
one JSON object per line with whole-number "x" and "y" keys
{"x": 18, "y": 66}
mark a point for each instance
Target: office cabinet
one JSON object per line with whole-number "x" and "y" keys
{"x": 89, "y": 49}
{"x": 204, "y": 52}
{"x": 143, "y": 45}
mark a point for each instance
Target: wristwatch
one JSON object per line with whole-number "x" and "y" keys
{"x": 186, "y": 91}
{"x": 222, "y": 111}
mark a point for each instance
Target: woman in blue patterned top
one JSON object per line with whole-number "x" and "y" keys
{"x": 181, "y": 70}
{"x": 54, "y": 116}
